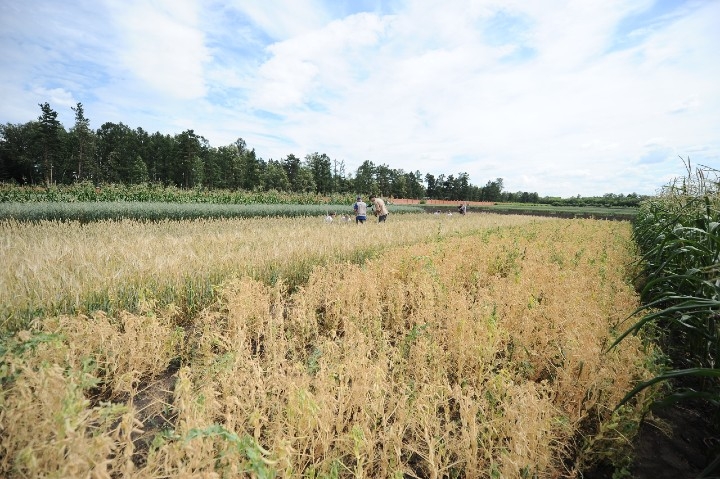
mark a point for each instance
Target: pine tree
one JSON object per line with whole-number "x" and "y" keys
{"x": 49, "y": 138}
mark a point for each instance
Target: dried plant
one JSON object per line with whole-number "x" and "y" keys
{"x": 457, "y": 350}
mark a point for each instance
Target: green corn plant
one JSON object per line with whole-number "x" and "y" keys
{"x": 678, "y": 235}
{"x": 86, "y": 191}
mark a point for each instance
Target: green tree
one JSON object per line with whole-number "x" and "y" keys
{"x": 197, "y": 171}
{"x": 384, "y": 177}
{"x": 186, "y": 173}
{"x": 159, "y": 154}
{"x": 49, "y": 136}
{"x": 365, "y": 179}
{"x": 275, "y": 177}
{"x": 305, "y": 181}
{"x": 20, "y": 152}
{"x": 493, "y": 190}
{"x": 431, "y": 182}
{"x": 462, "y": 186}
{"x": 320, "y": 167}
{"x": 341, "y": 183}
{"x": 441, "y": 187}
{"x": 399, "y": 187}
{"x": 291, "y": 165}
{"x": 137, "y": 172}
{"x": 448, "y": 186}
{"x": 82, "y": 138}
{"x": 141, "y": 145}
{"x": 414, "y": 185}
{"x": 251, "y": 166}
{"x": 113, "y": 154}
{"x": 215, "y": 174}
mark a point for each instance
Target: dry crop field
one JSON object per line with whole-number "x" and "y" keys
{"x": 430, "y": 346}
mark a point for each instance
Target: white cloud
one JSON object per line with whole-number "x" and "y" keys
{"x": 282, "y": 20}
{"x": 319, "y": 64}
{"x": 687, "y": 104}
{"x": 162, "y": 45}
{"x": 57, "y": 97}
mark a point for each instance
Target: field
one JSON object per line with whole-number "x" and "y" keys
{"x": 597, "y": 212}
{"x": 88, "y": 212}
{"x": 430, "y": 346}
{"x": 85, "y": 202}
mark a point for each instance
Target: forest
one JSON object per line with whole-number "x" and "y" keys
{"x": 44, "y": 152}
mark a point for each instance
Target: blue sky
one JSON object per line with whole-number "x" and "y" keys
{"x": 556, "y": 97}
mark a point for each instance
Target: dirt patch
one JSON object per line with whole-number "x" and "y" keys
{"x": 154, "y": 405}
{"x": 676, "y": 442}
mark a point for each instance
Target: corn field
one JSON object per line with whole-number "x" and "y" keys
{"x": 429, "y": 346}
{"x": 86, "y": 191}
{"x": 678, "y": 234}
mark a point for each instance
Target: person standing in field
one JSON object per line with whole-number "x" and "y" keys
{"x": 379, "y": 208}
{"x": 360, "y": 208}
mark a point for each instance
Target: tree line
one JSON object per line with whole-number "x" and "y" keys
{"x": 43, "y": 152}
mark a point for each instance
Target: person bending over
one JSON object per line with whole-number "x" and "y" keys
{"x": 379, "y": 208}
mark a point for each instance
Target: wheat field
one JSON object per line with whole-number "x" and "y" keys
{"x": 425, "y": 347}
{"x": 52, "y": 267}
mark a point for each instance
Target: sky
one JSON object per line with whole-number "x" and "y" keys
{"x": 558, "y": 97}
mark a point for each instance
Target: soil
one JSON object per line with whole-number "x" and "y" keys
{"x": 676, "y": 442}
{"x": 153, "y": 404}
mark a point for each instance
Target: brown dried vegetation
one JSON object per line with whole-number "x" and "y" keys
{"x": 479, "y": 354}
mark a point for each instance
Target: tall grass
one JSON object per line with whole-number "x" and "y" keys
{"x": 678, "y": 233}
{"x": 460, "y": 349}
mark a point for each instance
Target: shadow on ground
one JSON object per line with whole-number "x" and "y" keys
{"x": 676, "y": 442}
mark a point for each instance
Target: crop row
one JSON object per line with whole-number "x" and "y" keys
{"x": 153, "y": 192}
{"x": 678, "y": 234}
{"x": 86, "y": 212}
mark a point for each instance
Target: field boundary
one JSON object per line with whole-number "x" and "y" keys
{"x": 411, "y": 201}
